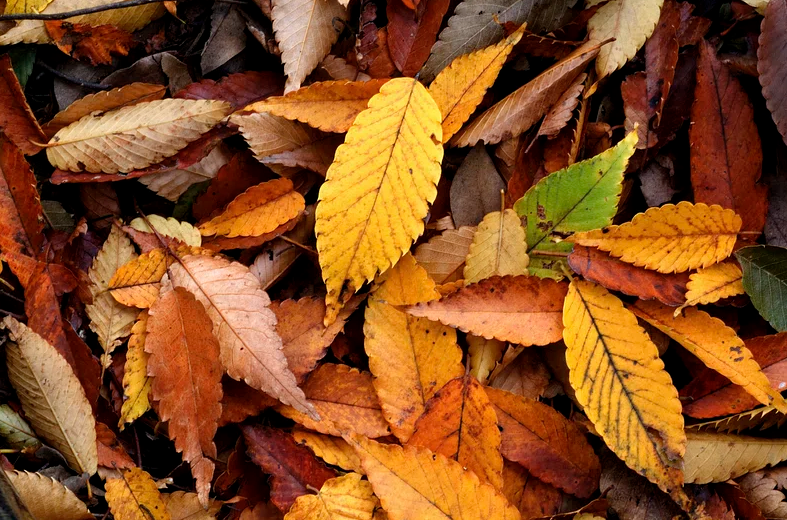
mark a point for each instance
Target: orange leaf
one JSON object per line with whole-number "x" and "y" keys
{"x": 547, "y": 444}
{"x": 184, "y": 365}
{"x": 21, "y": 215}
{"x": 96, "y": 43}
{"x": 531, "y": 496}
{"x": 459, "y": 422}
{"x": 346, "y": 401}
{"x": 521, "y": 309}
{"x": 16, "y": 119}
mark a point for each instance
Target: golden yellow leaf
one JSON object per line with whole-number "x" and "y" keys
{"x": 257, "y": 211}
{"x": 630, "y": 23}
{"x": 135, "y": 496}
{"x": 186, "y": 506}
{"x": 460, "y": 423}
{"x": 169, "y": 227}
{"x": 498, "y": 248}
{"x": 333, "y": 450}
{"x": 51, "y": 396}
{"x": 460, "y": 87}
{"x": 342, "y": 498}
{"x": 386, "y": 171}
{"x": 620, "y": 381}
{"x": 713, "y": 283}
{"x": 330, "y": 106}
{"x": 483, "y": 355}
{"x": 109, "y": 319}
{"x": 718, "y": 457}
{"x": 136, "y": 382}
{"x": 669, "y": 239}
{"x": 46, "y": 498}
{"x": 25, "y": 6}
{"x": 417, "y": 484}
{"x": 411, "y": 358}
{"x": 443, "y": 256}
{"x": 133, "y": 137}
{"x": 715, "y": 344}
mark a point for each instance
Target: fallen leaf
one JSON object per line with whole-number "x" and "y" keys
{"x": 411, "y": 32}
{"x": 95, "y": 43}
{"x": 483, "y": 355}
{"x": 238, "y": 89}
{"x": 717, "y": 457}
{"x": 21, "y": 223}
{"x": 17, "y": 120}
{"x": 135, "y": 496}
{"x": 661, "y": 56}
{"x": 403, "y": 123}
{"x": 333, "y": 450}
{"x": 498, "y": 248}
{"x": 764, "y": 490}
{"x": 531, "y": 497}
{"x": 168, "y": 227}
{"x": 46, "y": 498}
{"x": 444, "y": 255}
{"x": 136, "y": 382}
{"x": 227, "y": 37}
{"x": 763, "y": 276}
{"x": 770, "y": 62}
{"x": 711, "y": 284}
{"x": 15, "y": 431}
{"x": 342, "y": 498}
{"x": 475, "y": 190}
{"x": 186, "y": 506}
{"x": 174, "y": 183}
{"x": 521, "y": 309}
{"x": 526, "y": 374}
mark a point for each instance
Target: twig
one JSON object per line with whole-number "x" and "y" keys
{"x": 75, "y": 81}
{"x": 298, "y": 244}
{"x": 77, "y": 12}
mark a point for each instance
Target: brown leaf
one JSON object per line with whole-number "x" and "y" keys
{"x": 294, "y": 468}
{"x": 661, "y": 56}
{"x": 547, "y": 444}
{"x": 772, "y": 62}
{"x": 237, "y": 89}
{"x": 240, "y": 401}
{"x": 111, "y": 454}
{"x": 95, "y": 43}
{"x": 17, "y": 121}
{"x": 21, "y": 215}
{"x": 726, "y": 155}
{"x": 411, "y": 32}
{"x": 526, "y": 375}
{"x": 475, "y": 190}
{"x": 184, "y": 365}
{"x": 521, "y": 309}
{"x": 636, "y": 106}
{"x": 531, "y": 496}
{"x": 598, "y": 266}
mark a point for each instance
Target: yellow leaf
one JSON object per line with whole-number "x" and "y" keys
{"x": 620, "y": 381}
{"x": 333, "y": 450}
{"x": 630, "y": 23}
{"x": 715, "y": 344}
{"x": 51, "y": 396}
{"x": 417, "y": 484}
{"x": 25, "y": 6}
{"x": 713, "y": 283}
{"x": 459, "y": 88}
{"x": 342, "y": 498}
{"x": 443, "y": 256}
{"x": 670, "y": 239}
{"x": 484, "y": 355}
{"x": 136, "y": 382}
{"x": 330, "y": 106}
{"x": 109, "y": 319}
{"x": 386, "y": 171}
{"x": 411, "y": 358}
{"x": 460, "y": 423}
{"x": 46, "y": 498}
{"x": 186, "y": 506}
{"x": 498, "y": 248}
{"x": 305, "y": 31}
{"x": 135, "y": 496}
{"x": 718, "y": 457}
{"x": 257, "y": 211}
{"x": 133, "y": 137}
{"x": 169, "y": 227}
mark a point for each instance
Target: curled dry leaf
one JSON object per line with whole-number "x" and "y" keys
{"x": 52, "y": 397}
{"x": 394, "y": 148}
{"x": 46, "y": 498}
{"x": 135, "y": 496}
{"x": 119, "y": 141}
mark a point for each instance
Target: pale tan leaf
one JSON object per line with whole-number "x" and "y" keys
{"x": 718, "y": 457}
{"x": 46, "y": 498}
{"x": 498, "y": 248}
{"x": 186, "y": 506}
{"x": 172, "y": 184}
{"x": 764, "y": 491}
{"x": 443, "y": 256}
{"x": 169, "y": 227}
{"x": 52, "y": 397}
{"x": 484, "y": 355}
{"x": 269, "y": 135}
{"x": 133, "y": 137}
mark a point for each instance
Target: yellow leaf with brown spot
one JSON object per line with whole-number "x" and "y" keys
{"x": 620, "y": 381}
{"x": 330, "y": 106}
{"x": 711, "y": 284}
{"x": 670, "y": 239}
{"x": 715, "y": 344}
{"x": 333, "y": 450}
{"x": 460, "y": 423}
{"x": 341, "y": 498}
{"x": 411, "y": 358}
{"x": 136, "y": 382}
{"x": 257, "y": 211}
{"x": 415, "y": 483}
{"x": 378, "y": 188}
{"x": 459, "y": 88}
{"x": 498, "y": 248}
{"x": 135, "y": 496}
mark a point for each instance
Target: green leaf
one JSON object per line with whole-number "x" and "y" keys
{"x": 23, "y": 57}
{"x": 765, "y": 281}
{"x": 182, "y": 209}
{"x": 582, "y": 197}
{"x": 17, "y": 433}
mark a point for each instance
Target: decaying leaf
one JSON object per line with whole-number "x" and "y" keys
{"x": 770, "y": 62}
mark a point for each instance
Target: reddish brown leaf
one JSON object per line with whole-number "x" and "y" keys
{"x": 111, "y": 454}
{"x": 531, "y": 496}
{"x": 411, "y": 33}
{"x": 712, "y": 395}
{"x": 526, "y": 375}
{"x": 692, "y": 29}
{"x": 17, "y": 121}
{"x": 186, "y": 372}
{"x": 97, "y": 44}
{"x": 547, "y": 444}
{"x": 636, "y": 106}
{"x": 294, "y": 469}
{"x": 237, "y": 89}
{"x": 21, "y": 216}
{"x": 772, "y": 62}
{"x": 533, "y": 44}
{"x": 661, "y": 56}
{"x": 240, "y": 401}
{"x": 598, "y": 266}
{"x": 726, "y": 155}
